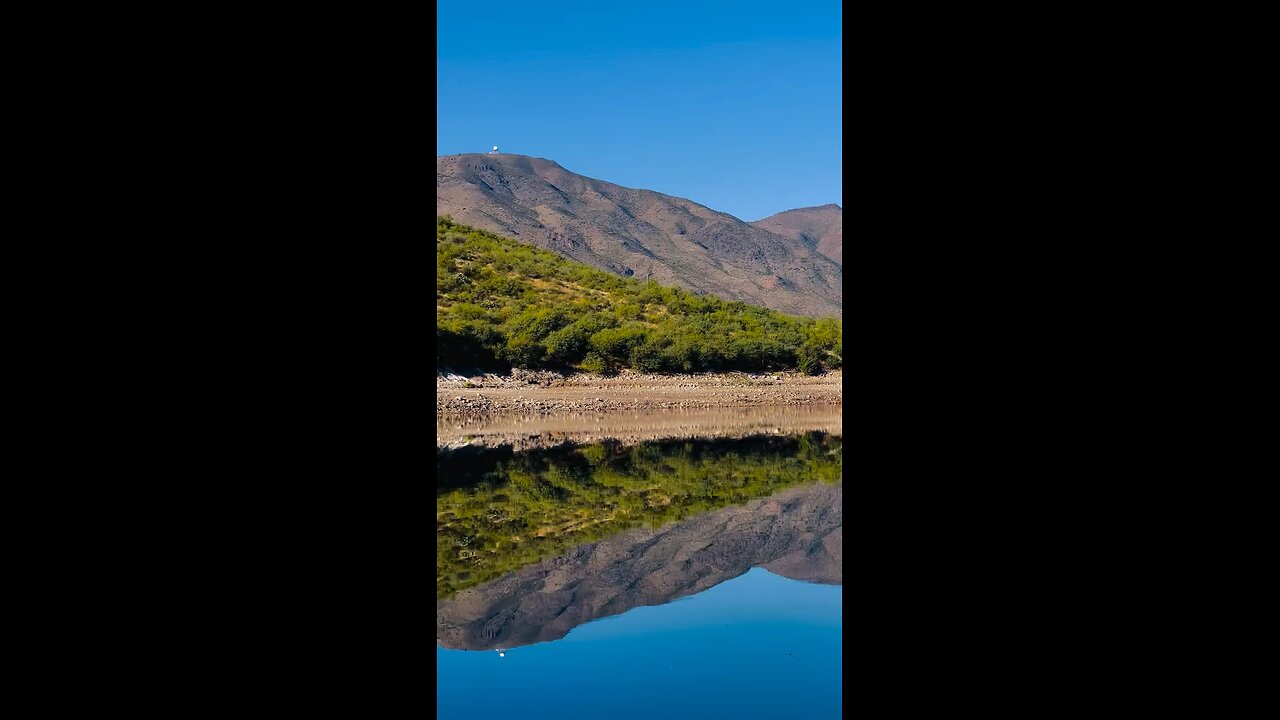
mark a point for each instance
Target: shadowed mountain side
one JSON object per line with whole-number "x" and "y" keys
{"x": 817, "y": 564}
{"x": 636, "y": 233}
{"x": 795, "y": 533}
{"x": 820, "y": 228}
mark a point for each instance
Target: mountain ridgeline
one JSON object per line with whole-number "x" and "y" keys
{"x": 820, "y": 228}
{"x": 639, "y": 233}
{"x": 503, "y": 304}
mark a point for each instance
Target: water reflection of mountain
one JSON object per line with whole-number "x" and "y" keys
{"x": 498, "y": 511}
{"x": 796, "y": 533}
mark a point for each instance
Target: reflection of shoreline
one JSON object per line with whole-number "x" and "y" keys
{"x": 531, "y": 430}
{"x": 796, "y": 533}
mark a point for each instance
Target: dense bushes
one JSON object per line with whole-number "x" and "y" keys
{"x": 501, "y": 304}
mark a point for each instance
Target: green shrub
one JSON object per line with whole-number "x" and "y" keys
{"x": 490, "y": 315}
{"x": 807, "y": 360}
{"x": 617, "y": 343}
{"x": 593, "y": 363}
{"x": 524, "y": 352}
{"x": 648, "y": 357}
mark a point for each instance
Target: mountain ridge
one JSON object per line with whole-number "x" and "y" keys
{"x": 820, "y": 227}
{"x": 636, "y": 232}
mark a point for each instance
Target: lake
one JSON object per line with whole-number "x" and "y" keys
{"x": 687, "y": 578}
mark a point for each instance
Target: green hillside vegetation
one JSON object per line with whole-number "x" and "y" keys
{"x": 502, "y": 304}
{"x": 531, "y": 506}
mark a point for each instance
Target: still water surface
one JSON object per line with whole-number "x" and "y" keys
{"x": 695, "y": 579}
{"x": 757, "y": 646}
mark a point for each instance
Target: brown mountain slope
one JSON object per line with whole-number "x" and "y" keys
{"x": 820, "y": 228}
{"x": 637, "y": 233}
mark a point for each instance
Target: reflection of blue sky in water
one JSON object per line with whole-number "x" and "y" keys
{"x": 757, "y": 646}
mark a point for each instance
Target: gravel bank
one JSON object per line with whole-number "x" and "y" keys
{"x": 547, "y": 392}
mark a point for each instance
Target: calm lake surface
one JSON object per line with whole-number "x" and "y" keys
{"x": 688, "y": 578}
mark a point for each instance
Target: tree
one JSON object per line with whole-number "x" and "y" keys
{"x": 524, "y": 352}
{"x": 808, "y": 359}
{"x": 616, "y": 344}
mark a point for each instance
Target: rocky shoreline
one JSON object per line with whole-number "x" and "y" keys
{"x": 553, "y": 393}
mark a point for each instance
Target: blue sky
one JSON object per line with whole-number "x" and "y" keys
{"x": 734, "y": 105}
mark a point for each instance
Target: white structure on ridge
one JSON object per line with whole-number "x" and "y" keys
{"x": 494, "y": 151}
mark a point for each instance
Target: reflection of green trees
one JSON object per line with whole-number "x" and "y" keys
{"x": 531, "y": 506}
